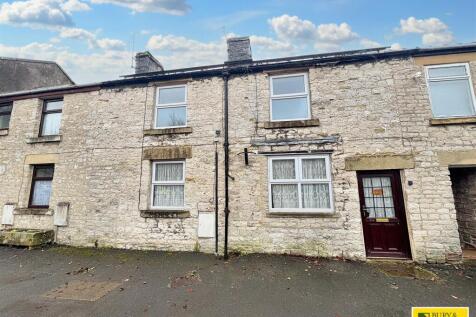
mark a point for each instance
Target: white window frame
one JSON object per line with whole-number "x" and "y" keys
{"x": 171, "y": 105}
{"x": 300, "y": 181}
{"x": 468, "y": 77}
{"x": 288, "y": 96}
{"x": 154, "y": 182}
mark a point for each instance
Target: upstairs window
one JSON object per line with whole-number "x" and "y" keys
{"x": 451, "y": 91}
{"x": 41, "y": 186}
{"x": 290, "y": 98}
{"x": 300, "y": 184}
{"x": 5, "y": 113}
{"x": 168, "y": 182}
{"x": 171, "y": 109}
{"x": 51, "y": 117}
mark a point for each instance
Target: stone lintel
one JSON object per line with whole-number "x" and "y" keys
{"x": 168, "y": 153}
{"x": 50, "y": 158}
{"x": 291, "y": 124}
{"x": 379, "y": 162}
{"x": 457, "y": 158}
{"x": 446, "y": 121}
{"x": 184, "y": 130}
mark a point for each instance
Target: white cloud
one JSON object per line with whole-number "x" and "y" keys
{"x": 437, "y": 39}
{"x": 83, "y": 68}
{"x": 433, "y": 31}
{"x": 174, "y": 7}
{"x": 91, "y": 39}
{"x": 430, "y": 25}
{"x": 292, "y": 27}
{"x": 40, "y": 13}
{"x": 323, "y": 37}
{"x": 366, "y": 43}
{"x": 334, "y": 33}
{"x": 396, "y": 47}
{"x": 75, "y": 5}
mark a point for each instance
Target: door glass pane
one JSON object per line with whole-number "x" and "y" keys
{"x": 451, "y": 98}
{"x": 316, "y": 196}
{"x": 169, "y": 172}
{"x": 290, "y": 108}
{"x": 4, "y": 121}
{"x": 447, "y": 71}
{"x": 171, "y": 95}
{"x": 171, "y": 117}
{"x": 314, "y": 168}
{"x": 41, "y": 193}
{"x": 288, "y": 85}
{"x": 378, "y": 197}
{"x": 51, "y": 124}
{"x": 168, "y": 195}
{"x": 283, "y": 169}
{"x": 284, "y": 195}
{"x": 54, "y": 105}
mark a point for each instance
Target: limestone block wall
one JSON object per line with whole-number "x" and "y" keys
{"x": 364, "y": 108}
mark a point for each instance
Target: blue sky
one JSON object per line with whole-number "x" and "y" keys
{"x": 94, "y": 40}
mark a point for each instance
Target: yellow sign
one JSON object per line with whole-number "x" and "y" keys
{"x": 381, "y": 220}
{"x": 440, "y": 311}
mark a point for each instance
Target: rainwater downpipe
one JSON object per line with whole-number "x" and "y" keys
{"x": 226, "y": 147}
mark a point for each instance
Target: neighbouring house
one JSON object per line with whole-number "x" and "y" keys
{"x": 358, "y": 154}
{"x": 27, "y": 74}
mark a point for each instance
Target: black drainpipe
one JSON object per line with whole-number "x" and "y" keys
{"x": 226, "y": 147}
{"x": 216, "y": 198}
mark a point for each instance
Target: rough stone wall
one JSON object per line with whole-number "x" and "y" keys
{"x": 101, "y": 172}
{"x": 369, "y": 108}
{"x": 464, "y": 189}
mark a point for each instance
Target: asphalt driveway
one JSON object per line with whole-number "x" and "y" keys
{"x": 62, "y": 281}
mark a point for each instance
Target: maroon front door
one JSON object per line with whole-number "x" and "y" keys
{"x": 383, "y": 214}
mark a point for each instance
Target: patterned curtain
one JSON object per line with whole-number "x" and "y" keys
{"x": 41, "y": 193}
{"x": 283, "y": 169}
{"x": 314, "y": 168}
{"x": 315, "y": 196}
{"x": 169, "y": 172}
{"x": 168, "y": 195}
{"x": 285, "y": 195}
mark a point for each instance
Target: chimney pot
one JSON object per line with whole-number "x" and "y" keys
{"x": 239, "y": 49}
{"x": 146, "y": 63}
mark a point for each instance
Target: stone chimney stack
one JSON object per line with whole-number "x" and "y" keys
{"x": 146, "y": 63}
{"x": 239, "y": 50}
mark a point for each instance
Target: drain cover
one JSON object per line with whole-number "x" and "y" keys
{"x": 82, "y": 290}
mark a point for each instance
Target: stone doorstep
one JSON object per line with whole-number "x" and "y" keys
{"x": 26, "y": 237}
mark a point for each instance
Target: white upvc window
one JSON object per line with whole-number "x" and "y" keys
{"x": 171, "y": 107}
{"x": 451, "y": 90}
{"x": 168, "y": 182}
{"x": 289, "y": 97}
{"x": 300, "y": 184}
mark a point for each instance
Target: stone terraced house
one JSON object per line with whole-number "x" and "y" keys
{"x": 357, "y": 154}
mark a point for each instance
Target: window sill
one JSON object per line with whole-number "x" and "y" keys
{"x": 446, "y": 121}
{"x": 44, "y": 139}
{"x": 3, "y": 132}
{"x": 162, "y": 213}
{"x": 301, "y": 214}
{"x": 184, "y": 130}
{"x": 291, "y": 124}
{"x": 34, "y": 211}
